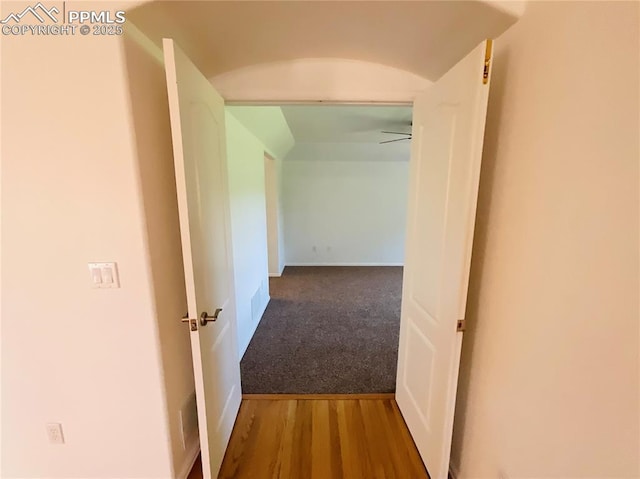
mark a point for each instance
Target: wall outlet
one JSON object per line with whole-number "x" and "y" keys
{"x": 54, "y": 432}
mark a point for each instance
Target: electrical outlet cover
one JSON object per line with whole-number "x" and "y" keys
{"x": 54, "y": 432}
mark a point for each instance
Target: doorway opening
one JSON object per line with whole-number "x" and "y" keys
{"x": 447, "y": 126}
{"x": 335, "y": 203}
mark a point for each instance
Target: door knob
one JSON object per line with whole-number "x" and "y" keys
{"x": 205, "y": 318}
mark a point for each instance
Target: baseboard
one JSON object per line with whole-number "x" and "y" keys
{"x": 264, "y": 308}
{"x": 192, "y": 455}
{"x": 303, "y": 397}
{"x": 345, "y": 264}
{"x": 278, "y": 274}
{"x": 453, "y": 471}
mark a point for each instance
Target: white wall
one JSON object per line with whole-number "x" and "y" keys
{"x": 550, "y": 366}
{"x": 280, "y": 206}
{"x": 274, "y": 215}
{"x": 245, "y": 156}
{"x": 320, "y": 79}
{"x": 269, "y": 125}
{"x": 150, "y": 112}
{"x": 88, "y": 358}
{"x": 343, "y": 212}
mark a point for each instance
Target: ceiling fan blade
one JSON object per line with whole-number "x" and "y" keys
{"x": 396, "y": 133}
{"x": 391, "y": 141}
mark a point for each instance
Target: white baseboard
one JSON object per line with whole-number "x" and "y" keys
{"x": 191, "y": 456}
{"x": 264, "y": 308}
{"x": 278, "y": 274}
{"x": 345, "y": 264}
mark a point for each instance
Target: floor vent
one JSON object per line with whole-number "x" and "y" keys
{"x": 256, "y": 303}
{"x": 188, "y": 420}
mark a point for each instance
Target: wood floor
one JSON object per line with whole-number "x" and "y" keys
{"x": 302, "y": 438}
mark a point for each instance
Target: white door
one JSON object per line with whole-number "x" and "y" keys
{"x": 446, "y": 151}
{"x": 199, "y": 149}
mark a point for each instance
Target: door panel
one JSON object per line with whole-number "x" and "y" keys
{"x": 198, "y": 133}
{"x": 448, "y": 131}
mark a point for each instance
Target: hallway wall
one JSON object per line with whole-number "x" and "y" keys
{"x": 550, "y": 365}
{"x": 86, "y": 358}
{"x": 245, "y": 163}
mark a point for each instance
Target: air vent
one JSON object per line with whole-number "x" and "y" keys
{"x": 189, "y": 420}
{"x": 256, "y": 302}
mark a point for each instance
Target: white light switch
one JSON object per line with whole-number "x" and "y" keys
{"x": 104, "y": 275}
{"x": 107, "y": 275}
{"x": 96, "y": 276}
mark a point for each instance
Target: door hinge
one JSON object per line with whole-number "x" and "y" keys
{"x": 462, "y": 325}
{"x": 487, "y": 61}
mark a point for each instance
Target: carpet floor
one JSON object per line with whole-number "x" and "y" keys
{"x": 327, "y": 330}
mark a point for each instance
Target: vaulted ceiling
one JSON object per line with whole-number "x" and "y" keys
{"x": 422, "y": 37}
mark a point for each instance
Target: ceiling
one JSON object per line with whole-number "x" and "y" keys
{"x": 422, "y": 37}
{"x": 346, "y": 124}
{"x": 337, "y": 133}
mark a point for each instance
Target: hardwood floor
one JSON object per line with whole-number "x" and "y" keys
{"x": 196, "y": 470}
{"x": 319, "y": 438}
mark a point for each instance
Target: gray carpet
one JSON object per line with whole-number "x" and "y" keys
{"x": 327, "y": 330}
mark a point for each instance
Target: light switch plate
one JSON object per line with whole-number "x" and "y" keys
{"x": 104, "y": 275}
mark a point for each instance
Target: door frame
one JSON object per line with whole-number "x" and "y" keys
{"x": 308, "y": 102}
{"x": 320, "y": 103}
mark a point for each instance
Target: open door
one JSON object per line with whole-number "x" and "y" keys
{"x": 448, "y": 131}
{"x": 199, "y": 149}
